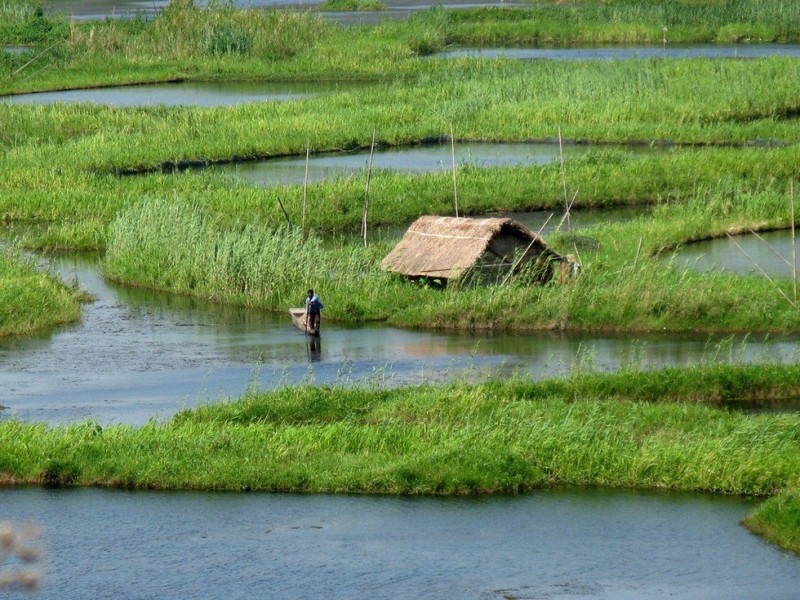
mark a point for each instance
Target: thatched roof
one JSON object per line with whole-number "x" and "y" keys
{"x": 445, "y": 247}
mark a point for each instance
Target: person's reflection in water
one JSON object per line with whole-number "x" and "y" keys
{"x": 314, "y": 347}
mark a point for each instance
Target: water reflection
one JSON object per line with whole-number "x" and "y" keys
{"x": 588, "y": 544}
{"x": 412, "y": 159}
{"x": 137, "y": 355}
{"x": 195, "y": 93}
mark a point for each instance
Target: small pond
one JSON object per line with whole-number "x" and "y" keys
{"x": 195, "y": 93}
{"x": 580, "y": 544}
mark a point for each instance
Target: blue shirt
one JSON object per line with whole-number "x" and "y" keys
{"x": 314, "y": 304}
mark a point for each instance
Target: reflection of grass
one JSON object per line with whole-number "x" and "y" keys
{"x": 646, "y": 430}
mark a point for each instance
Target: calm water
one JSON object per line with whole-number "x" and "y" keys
{"x": 197, "y": 93}
{"x": 410, "y": 159}
{"x": 555, "y": 544}
{"x": 137, "y": 355}
{"x": 771, "y": 254}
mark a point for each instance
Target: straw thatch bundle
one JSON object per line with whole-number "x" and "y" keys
{"x": 447, "y": 247}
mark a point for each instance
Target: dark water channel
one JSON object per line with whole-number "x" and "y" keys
{"x": 195, "y": 93}
{"x": 566, "y": 544}
{"x": 137, "y": 355}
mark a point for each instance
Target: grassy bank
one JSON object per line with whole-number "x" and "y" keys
{"x": 31, "y": 301}
{"x": 497, "y": 437}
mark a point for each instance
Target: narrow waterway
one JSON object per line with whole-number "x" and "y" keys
{"x": 579, "y": 544}
{"x": 187, "y": 93}
{"x": 138, "y": 355}
{"x": 423, "y": 158}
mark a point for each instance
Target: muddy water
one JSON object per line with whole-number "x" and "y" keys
{"x": 197, "y": 93}
{"x": 586, "y": 544}
{"x": 137, "y": 355}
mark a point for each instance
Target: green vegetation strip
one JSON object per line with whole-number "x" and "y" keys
{"x": 32, "y": 301}
{"x": 633, "y": 429}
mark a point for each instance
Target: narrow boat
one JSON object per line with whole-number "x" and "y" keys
{"x": 299, "y": 318}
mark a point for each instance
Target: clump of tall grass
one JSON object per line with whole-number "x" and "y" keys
{"x": 184, "y": 31}
{"x": 778, "y": 519}
{"x": 31, "y": 300}
{"x": 180, "y": 247}
{"x": 24, "y": 22}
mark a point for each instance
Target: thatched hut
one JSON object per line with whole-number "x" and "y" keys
{"x": 485, "y": 250}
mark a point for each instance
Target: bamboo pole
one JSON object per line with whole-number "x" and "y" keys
{"x": 794, "y": 245}
{"x": 285, "y": 214}
{"x": 366, "y": 191}
{"x": 755, "y": 264}
{"x": 768, "y": 245}
{"x": 305, "y": 186}
{"x": 453, "y": 157}
{"x": 521, "y": 256}
{"x": 563, "y": 179}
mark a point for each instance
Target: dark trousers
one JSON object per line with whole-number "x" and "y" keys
{"x": 312, "y": 324}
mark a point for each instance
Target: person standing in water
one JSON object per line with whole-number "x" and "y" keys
{"x": 314, "y": 307}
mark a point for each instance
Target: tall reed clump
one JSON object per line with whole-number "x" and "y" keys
{"x": 183, "y": 31}
{"x": 180, "y": 247}
{"x": 778, "y": 519}
{"x": 30, "y": 300}
{"x": 24, "y": 22}
{"x": 185, "y": 248}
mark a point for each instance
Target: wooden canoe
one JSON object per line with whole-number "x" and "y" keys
{"x": 299, "y": 320}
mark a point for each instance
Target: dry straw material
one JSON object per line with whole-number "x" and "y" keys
{"x": 447, "y": 247}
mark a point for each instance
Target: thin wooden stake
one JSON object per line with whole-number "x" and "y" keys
{"x": 521, "y": 256}
{"x": 285, "y": 214}
{"x": 755, "y": 264}
{"x": 305, "y": 185}
{"x": 794, "y": 245}
{"x": 453, "y": 156}
{"x": 563, "y": 178}
{"x": 366, "y": 191}
{"x": 768, "y": 245}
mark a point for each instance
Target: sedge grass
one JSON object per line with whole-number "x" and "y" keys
{"x": 31, "y": 301}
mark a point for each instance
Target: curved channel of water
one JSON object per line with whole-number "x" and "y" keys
{"x": 587, "y": 544}
{"x": 769, "y": 253}
{"x": 195, "y": 93}
{"x": 411, "y": 159}
{"x": 138, "y": 355}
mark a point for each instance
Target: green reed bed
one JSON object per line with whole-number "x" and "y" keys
{"x": 690, "y": 102}
{"x": 624, "y": 22}
{"x": 222, "y": 39}
{"x": 181, "y": 247}
{"x": 496, "y": 437}
{"x": 778, "y": 520}
{"x": 30, "y": 300}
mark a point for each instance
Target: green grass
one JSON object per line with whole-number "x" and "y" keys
{"x": 31, "y": 301}
{"x": 496, "y": 437}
